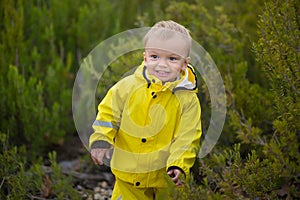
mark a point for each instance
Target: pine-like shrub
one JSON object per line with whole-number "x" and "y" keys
{"x": 21, "y": 179}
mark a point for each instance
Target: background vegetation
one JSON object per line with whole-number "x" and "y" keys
{"x": 255, "y": 46}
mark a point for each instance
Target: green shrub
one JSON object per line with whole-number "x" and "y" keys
{"x": 41, "y": 46}
{"x": 261, "y": 134}
{"x": 21, "y": 181}
{"x": 25, "y": 115}
{"x": 42, "y": 42}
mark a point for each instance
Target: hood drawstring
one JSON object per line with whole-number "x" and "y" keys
{"x": 144, "y": 74}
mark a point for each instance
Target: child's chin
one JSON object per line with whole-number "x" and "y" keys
{"x": 164, "y": 78}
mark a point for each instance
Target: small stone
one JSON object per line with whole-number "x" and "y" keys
{"x": 97, "y": 196}
{"x": 103, "y": 184}
{"x": 79, "y": 187}
{"x": 110, "y": 192}
{"x": 90, "y": 197}
{"x": 105, "y": 193}
{"x": 97, "y": 189}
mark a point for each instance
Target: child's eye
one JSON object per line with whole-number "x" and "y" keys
{"x": 154, "y": 56}
{"x": 173, "y": 59}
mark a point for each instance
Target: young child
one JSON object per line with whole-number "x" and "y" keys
{"x": 151, "y": 119}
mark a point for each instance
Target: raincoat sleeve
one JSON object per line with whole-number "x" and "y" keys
{"x": 107, "y": 121}
{"x": 185, "y": 146}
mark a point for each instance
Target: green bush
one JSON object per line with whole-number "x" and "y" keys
{"x": 35, "y": 77}
{"x": 42, "y": 44}
{"x": 261, "y": 134}
{"x": 21, "y": 179}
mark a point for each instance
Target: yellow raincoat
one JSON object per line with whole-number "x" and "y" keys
{"x": 152, "y": 127}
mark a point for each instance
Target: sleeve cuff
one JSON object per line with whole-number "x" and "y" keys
{"x": 100, "y": 144}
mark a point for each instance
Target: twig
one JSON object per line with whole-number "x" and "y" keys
{"x": 2, "y": 182}
{"x": 35, "y": 197}
{"x": 84, "y": 176}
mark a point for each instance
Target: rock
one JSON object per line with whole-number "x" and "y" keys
{"x": 90, "y": 197}
{"x": 97, "y": 189}
{"x": 103, "y": 184}
{"x": 97, "y": 196}
{"x": 73, "y": 165}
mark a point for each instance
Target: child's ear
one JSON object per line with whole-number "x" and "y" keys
{"x": 144, "y": 54}
{"x": 186, "y": 62}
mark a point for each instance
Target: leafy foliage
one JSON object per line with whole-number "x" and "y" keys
{"x": 19, "y": 181}
{"x": 254, "y": 44}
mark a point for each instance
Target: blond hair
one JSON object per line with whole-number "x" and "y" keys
{"x": 166, "y": 29}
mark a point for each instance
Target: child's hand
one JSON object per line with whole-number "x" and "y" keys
{"x": 98, "y": 155}
{"x": 175, "y": 175}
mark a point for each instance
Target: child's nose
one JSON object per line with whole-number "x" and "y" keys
{"x": 162, "y": 62}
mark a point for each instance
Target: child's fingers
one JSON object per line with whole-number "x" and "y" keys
{"x": 175, "y": 176}
{"x": 97, "y": 156}
{"x": 170, "y": 173}
{"x": 179, "y": 184}
{"x": 107, "y": 154}
{"x": 95, "y": 160}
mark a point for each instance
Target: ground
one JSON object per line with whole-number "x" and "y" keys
{"x": 93, "y": 182}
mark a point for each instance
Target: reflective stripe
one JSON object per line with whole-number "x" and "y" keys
{"x": 105, "y": 124}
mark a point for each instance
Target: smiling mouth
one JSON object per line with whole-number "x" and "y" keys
{"x": 162, "y": 73}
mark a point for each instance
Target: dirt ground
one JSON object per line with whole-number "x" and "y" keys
{"x": 92, "y": 182}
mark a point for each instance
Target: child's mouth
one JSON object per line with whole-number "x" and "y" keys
{"x": 162, "y": 73}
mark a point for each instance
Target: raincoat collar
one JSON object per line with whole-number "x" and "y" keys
{"x": 187, "y": 81}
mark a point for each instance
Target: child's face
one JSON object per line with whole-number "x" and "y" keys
{"x": 165, "y": 59}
